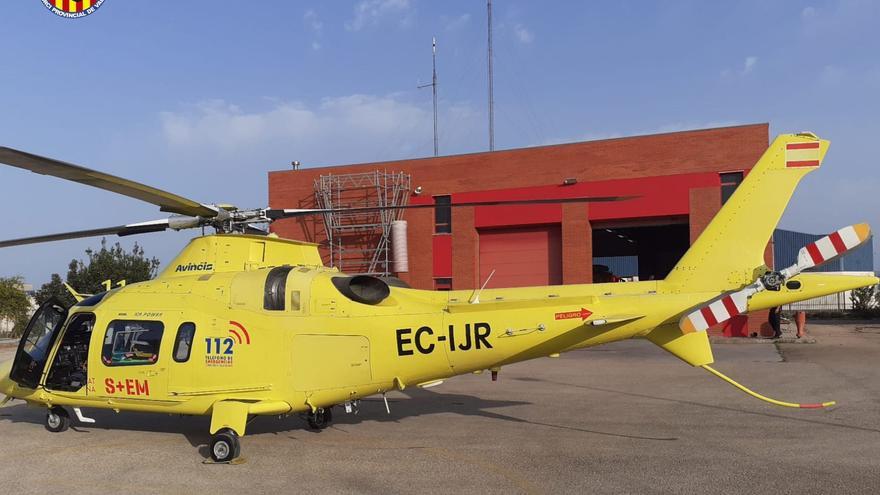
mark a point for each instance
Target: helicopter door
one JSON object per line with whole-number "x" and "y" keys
{"x": 70, "y": 371}
{"x": 132, "y": 366}
{"x": 183, "y": 373}
{"x": 36, "y": 344}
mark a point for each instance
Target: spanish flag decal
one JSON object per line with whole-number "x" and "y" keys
{"x": 802, "y": 154}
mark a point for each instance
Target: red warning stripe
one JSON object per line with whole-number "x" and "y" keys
{"x": 732, "y": 310}
{"x": 709, "y": 316}
{"x": 801, "y": 146}
{"x": 838, "y": 243}
{"x": 803, "y": 163}
{"x": 815, "y": 254}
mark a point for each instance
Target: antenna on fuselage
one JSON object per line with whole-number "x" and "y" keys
{"x": 475, "y": 299}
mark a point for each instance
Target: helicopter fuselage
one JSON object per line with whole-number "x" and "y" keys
{"x": 261, "y": 323}
{"x": 242, "y": 325}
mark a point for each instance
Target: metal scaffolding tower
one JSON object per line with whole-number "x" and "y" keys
{"x": 359, "y": 241}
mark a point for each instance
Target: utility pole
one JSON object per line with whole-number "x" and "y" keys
{"x": 433, "y": 85}
{"x": 491, "y": 84}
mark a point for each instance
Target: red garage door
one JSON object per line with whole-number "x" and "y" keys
{"x": 521, "y": 257}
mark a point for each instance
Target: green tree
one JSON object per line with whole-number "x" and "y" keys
{"x": 15, "y": 306}
{"x": 864, "y": 300}
{"x": 107, "y": 263}
{"x": 54, "y": 288}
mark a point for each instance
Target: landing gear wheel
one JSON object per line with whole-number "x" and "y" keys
{"x": 57, "y": 419}
{"x": 225, "y": 446}
{"x": 321, "y": 418}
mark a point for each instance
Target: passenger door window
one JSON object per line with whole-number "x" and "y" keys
{"x": 184, "y": 342}
{"x": 132, "y": 343}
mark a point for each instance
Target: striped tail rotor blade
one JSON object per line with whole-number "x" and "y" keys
{"x": 734, "y": 303}
{"x": 718, "y": 311}
{"x": 830, "y": 247}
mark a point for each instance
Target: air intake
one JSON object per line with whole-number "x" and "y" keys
{"x": 362, "y": 288}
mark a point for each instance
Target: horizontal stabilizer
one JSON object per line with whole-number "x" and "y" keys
{"x": 815, "y": 254}
{"x": 811, "y": 285}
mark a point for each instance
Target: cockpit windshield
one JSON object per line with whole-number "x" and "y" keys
{"x": 36, "y": 343}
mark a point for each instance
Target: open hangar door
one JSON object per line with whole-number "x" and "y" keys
{"x": 647, "y": 250}
{"x": 521, "y": 256}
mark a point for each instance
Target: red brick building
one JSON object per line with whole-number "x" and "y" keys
{"x": 680, "y": 180}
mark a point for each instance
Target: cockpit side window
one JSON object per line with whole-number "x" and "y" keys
{"x": 132, "y": 343}
{"x": 183, "y": 343}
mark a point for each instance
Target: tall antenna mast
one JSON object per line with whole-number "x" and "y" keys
{"x": 433, "y": 85}
{"x": 491, "y": 84}
{"x": 434, "y": 90}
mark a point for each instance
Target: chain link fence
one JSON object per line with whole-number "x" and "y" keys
{"x": 835, "y": 302}
{"x": 840, "y": 302}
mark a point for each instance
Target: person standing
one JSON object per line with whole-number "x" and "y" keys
{"x": 775, "y": 321}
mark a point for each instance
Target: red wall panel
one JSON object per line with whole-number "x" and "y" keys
{"x": 662, "y": 169}
{"x": 521, "y": 257}
{"x": 442, "y": 245}
{"x": 650, "y": 197}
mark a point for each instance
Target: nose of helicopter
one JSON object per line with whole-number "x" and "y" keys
{"x": 5, "y": 383}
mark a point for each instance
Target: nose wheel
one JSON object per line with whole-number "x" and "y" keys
{"x": 57, "y": 419}
{"x": 320, "y": 418}
{"x": 225, "y": 446}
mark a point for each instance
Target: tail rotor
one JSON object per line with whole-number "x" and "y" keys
{"x": 815, "y": 254}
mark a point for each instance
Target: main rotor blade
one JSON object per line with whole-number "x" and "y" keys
{"x": 278, "y": 213}
{"x": 165, "y": 200}
{"x": 120, "y": 230}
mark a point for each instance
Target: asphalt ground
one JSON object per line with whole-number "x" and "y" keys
{"x": 623, "y": 418}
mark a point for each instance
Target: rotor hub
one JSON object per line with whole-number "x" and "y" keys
{"x": 772, "y": 280}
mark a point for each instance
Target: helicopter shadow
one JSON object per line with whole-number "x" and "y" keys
{"x": 193, "y": 428}
{"x": 415, "y": 403}
{"x": 421, "y": 402}
{"x": 738, "y": 410}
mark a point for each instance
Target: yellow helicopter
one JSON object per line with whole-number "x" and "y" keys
{"x": 242, "y": 323}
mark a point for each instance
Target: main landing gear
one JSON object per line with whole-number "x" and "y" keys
{"x": 225, "y": 446}
{"x": 321, "y": 418}
{"x": 57, "y": 419}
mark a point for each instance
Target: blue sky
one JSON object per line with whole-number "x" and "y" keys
{"x": 203, "y": 98}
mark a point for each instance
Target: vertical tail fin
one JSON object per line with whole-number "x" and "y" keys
{"x": 730, "y": 252}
